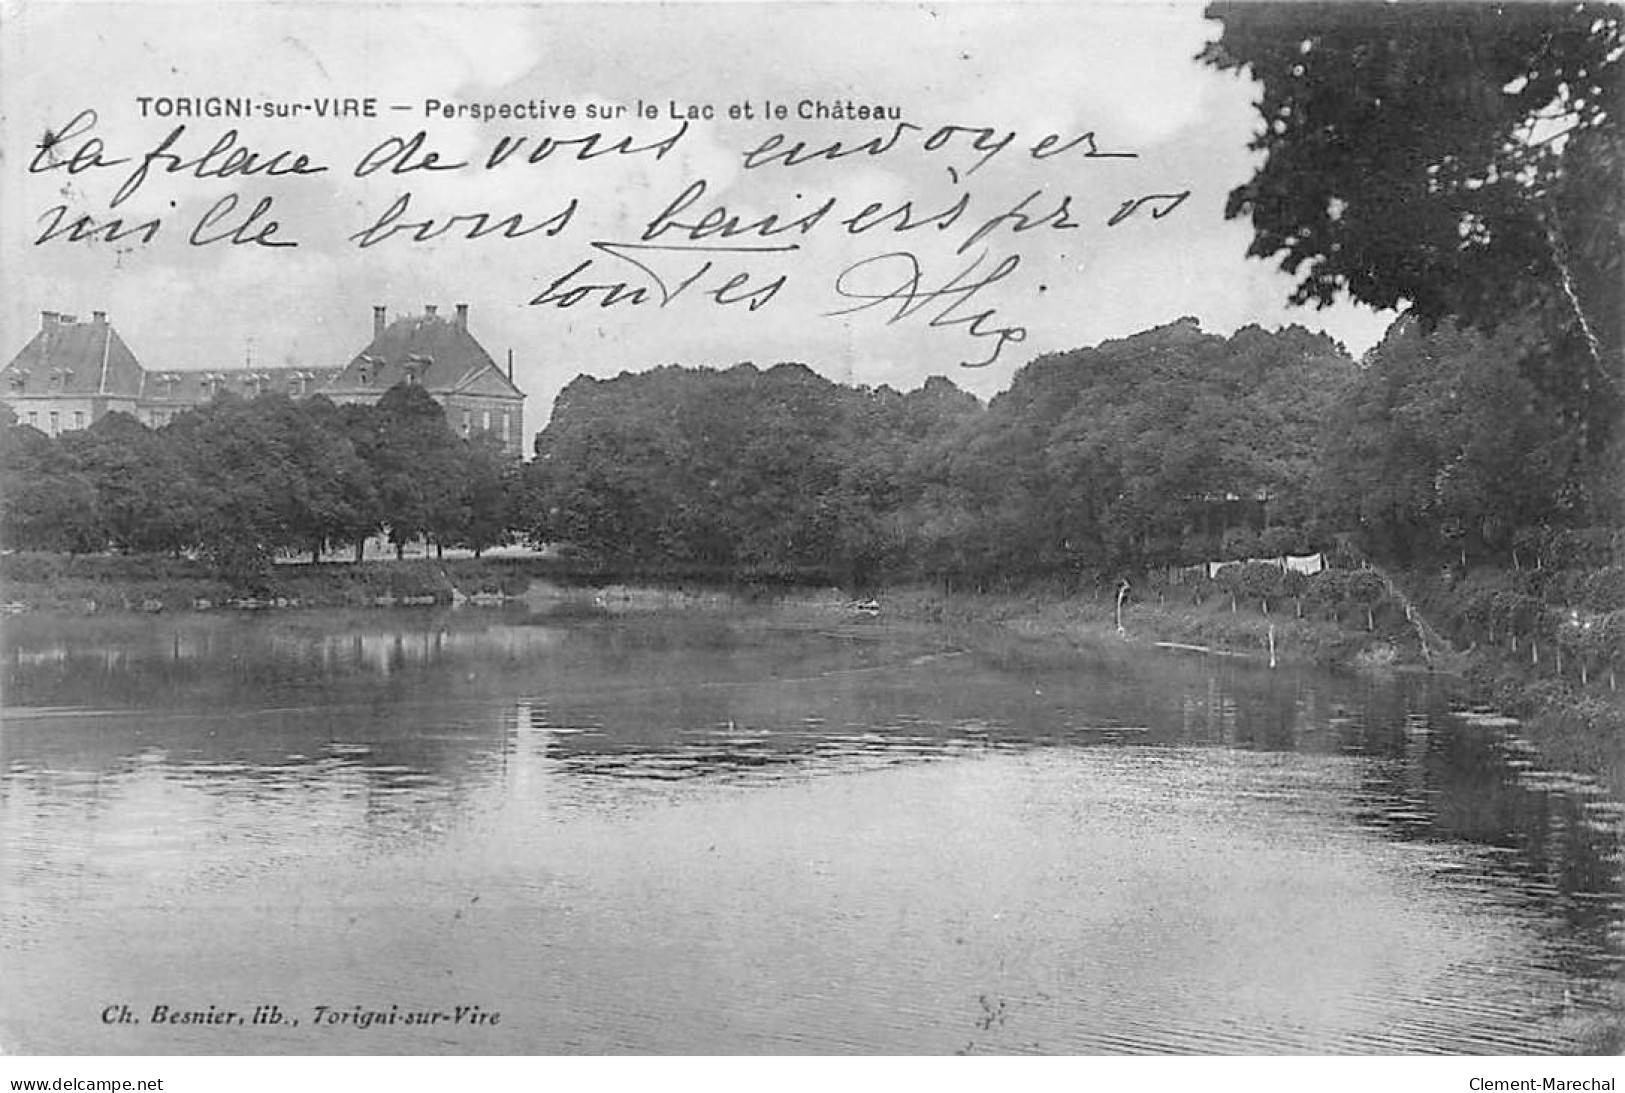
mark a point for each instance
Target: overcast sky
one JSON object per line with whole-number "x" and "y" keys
{"x": 1123, "y": 72}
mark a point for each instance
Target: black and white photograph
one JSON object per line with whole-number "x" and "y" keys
{"x": 824, "y": 529}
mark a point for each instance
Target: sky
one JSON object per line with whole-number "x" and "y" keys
{"x": 995, "y": 102}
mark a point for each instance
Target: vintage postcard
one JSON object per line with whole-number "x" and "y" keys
{"x": 810, "y": 528}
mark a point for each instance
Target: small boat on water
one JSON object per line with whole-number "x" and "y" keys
{"x": 868, "y": 607}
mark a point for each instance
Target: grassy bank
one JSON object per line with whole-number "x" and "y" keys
{"x": 1077, "y": 615}
{"x": 91, "y": 584}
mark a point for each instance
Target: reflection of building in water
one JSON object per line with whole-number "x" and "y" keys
{"x": 1212, "y": 718}
{"x": 528, "y": 766}
{"x": 385, "y": 652}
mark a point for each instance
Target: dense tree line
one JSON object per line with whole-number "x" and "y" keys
{"x": 239, "y": 482}
{"x": 1170, "y": 447}
{"x": 740, "y": 471}
{"x": 1141, "y": 451}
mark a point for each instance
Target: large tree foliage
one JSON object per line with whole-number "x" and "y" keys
{"x": 242, "y": 481}
{"x": 1443, "y": 447}
{"x": 719, "y": 469}
{"x": 46, "y": 501}
{"x": 416, "y": 464}
{"x": 1137, "y": 448}
{"x": 147, "y": 498}
{"x": 1107, "y": 457}
{"x": 1456, "y": 160}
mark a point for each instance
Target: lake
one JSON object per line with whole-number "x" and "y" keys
{"x": 757, "y": 831}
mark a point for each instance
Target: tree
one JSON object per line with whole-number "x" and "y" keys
{"x": 414, "y": 459}
{"x": 147, "y": 496}
{"x": 487, "y": 480}
{"x": 1129, "y": 448}
{"x": 252, "y": 488}
{"x": 1443, "y": 443}
{"x": 46, "y": 501}
{"x": 1457, "y": 160}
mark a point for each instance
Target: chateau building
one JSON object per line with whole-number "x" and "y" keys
{"x": 72, "y": 373}
{"x": 441, "y": 356}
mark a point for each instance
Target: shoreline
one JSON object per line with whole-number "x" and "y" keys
{"x": 1209, "y": 631}
{"x": 1575, "y": 729}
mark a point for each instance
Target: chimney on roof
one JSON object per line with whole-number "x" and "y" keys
{"x": 47, "y": 318}
{"x": 428, "y": 311}
{"x": 99, "y": 317}
{"x": 379, "y": 319}
{"x": 510, "y": 366}
{"x": 462, "y": 316}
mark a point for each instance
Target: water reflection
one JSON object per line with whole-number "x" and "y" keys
{"x": 662, "y": 804}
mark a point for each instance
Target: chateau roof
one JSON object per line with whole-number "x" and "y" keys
{"x": 192, "y": 387}
{"x": 69, "y": 357}
{"x": 434, "y": 352}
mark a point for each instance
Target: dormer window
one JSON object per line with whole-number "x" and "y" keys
{"x": 18, "y": 379}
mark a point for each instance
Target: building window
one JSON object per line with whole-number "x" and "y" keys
{"x": 507, "y": 423}
{"x": 485, "y": 420}
{"x": 78, "y": 419}
{"x": 467, "y": 416}
{"x": 56, "y": 423}
{"x": 33, "y": 418}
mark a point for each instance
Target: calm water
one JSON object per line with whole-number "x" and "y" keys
{"x": 743, "y": 833}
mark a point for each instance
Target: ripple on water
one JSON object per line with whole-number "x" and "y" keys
{"x": 878, "y": 852}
